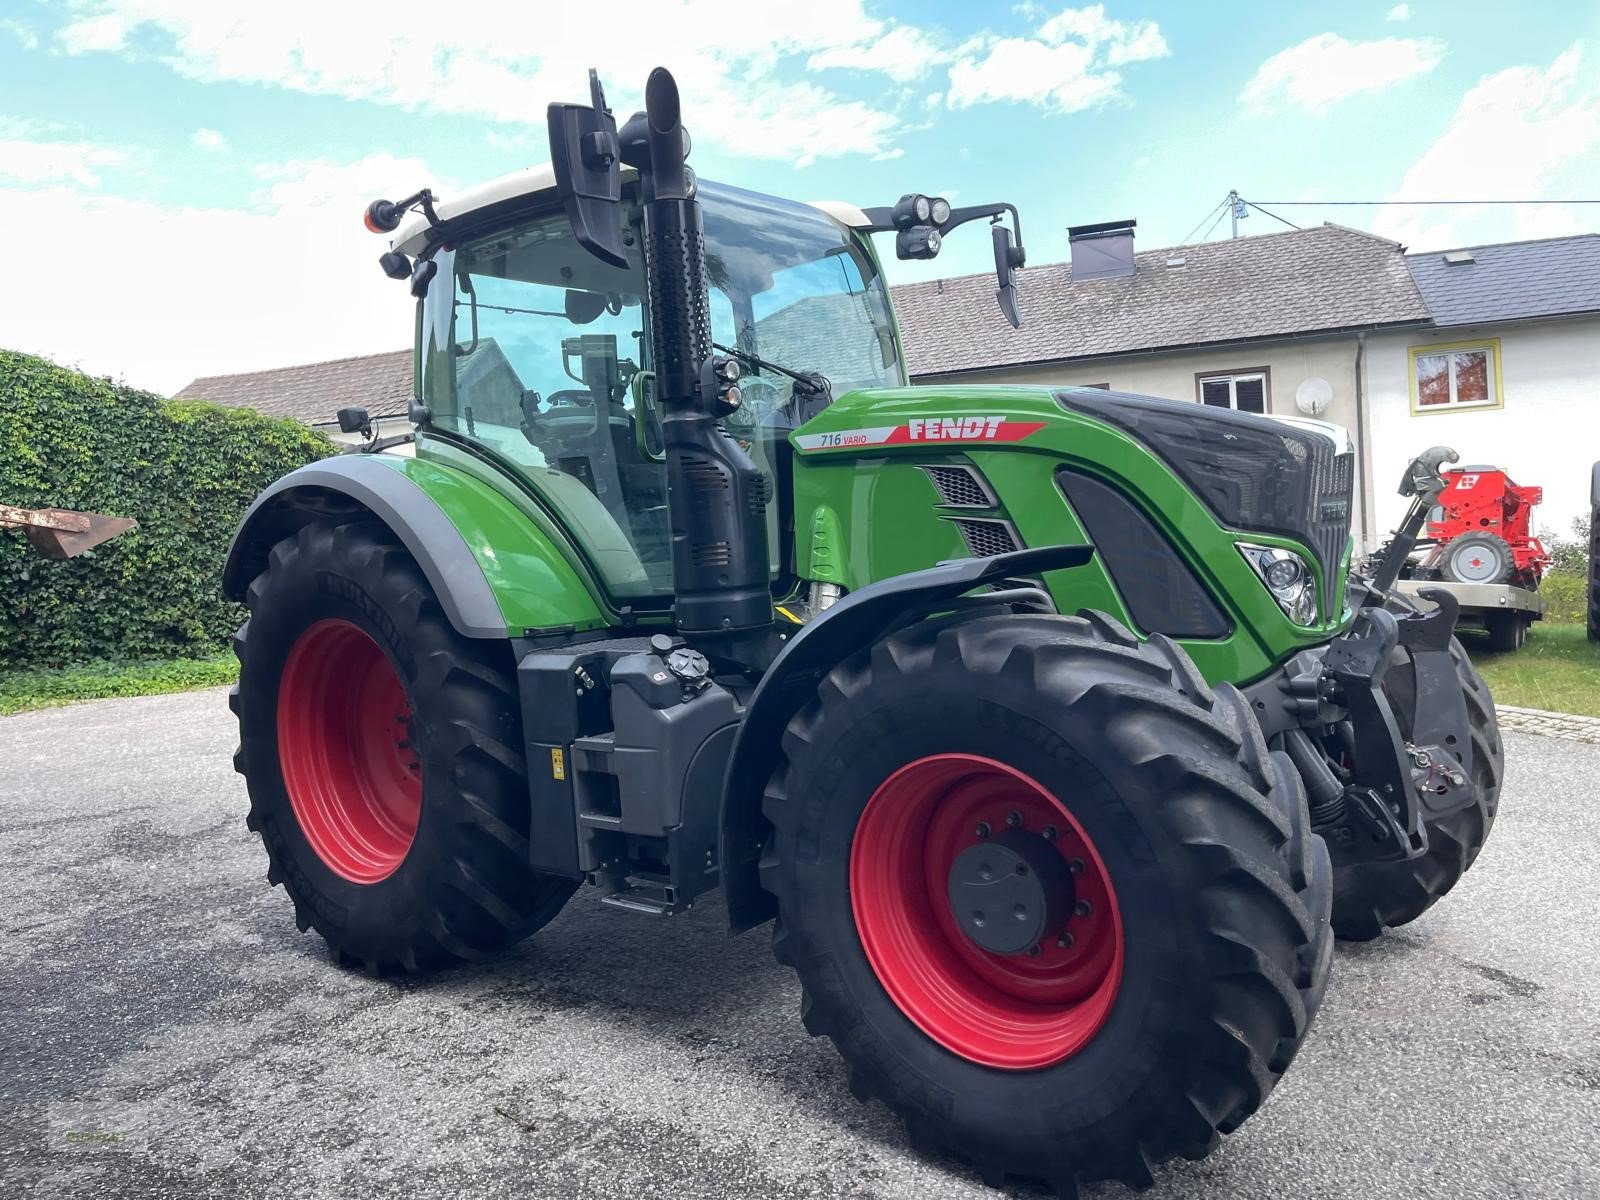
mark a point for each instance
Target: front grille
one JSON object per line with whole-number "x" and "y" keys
{"x": 1328, "y": 529}
{"x": 986, "y": 538}
{"x": 960, "y": 487}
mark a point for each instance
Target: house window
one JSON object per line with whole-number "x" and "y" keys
{"x": 1245, "y": 391}
{"x": 1455, "y": 375}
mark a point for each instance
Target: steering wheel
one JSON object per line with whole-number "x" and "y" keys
{"x": 761, "y": 396}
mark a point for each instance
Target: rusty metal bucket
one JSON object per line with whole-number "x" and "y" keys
{"x": 61, "y": 532}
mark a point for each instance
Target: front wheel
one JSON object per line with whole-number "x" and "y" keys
{"x": 382, "y": 752}
{"x": 1368, "y": 897}
{"x": 1048, "y": 894}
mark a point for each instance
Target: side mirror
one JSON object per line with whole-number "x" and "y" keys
{"x": 585, "y": 154}
{"x": 1007, "y": 257}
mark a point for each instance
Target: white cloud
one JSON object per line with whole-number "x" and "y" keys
{"x": 904, "y": 54}
{"x": 1400, "y": 12}
{"x": 1325, "y": 69}
{"x": 208, "y": 139}
{"x": 1063, "y": 66}
{"x": 29, "y": 157}
{"x": 23, "y": 32}
{"x": 505, "y": 63}
{"x": 1522, "y": 133}
{"x": 204, "y": 302}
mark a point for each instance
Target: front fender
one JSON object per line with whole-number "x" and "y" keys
{"x": 495, "y": 574}
{"x": 857, "y": 621}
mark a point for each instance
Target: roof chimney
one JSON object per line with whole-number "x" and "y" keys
{"x": 1103, "y": 251}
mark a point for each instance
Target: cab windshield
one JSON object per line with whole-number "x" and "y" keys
{"x": 541, "y": 353}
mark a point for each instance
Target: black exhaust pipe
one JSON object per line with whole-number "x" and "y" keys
{"x": 716, "y": 495}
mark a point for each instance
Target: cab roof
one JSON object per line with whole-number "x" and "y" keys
{"x": 530, "y": 181}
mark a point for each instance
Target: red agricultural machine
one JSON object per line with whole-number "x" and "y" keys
{"x": 1482, "y": 531}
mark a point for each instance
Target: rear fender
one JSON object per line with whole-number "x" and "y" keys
{"x": 496, "y": 575}
{"x": 857, "y": 621}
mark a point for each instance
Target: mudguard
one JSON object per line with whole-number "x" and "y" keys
{"x": 858, "y": 620}
{"x": 495, "y": 573}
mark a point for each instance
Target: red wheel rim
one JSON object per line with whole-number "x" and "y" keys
{"x": 344, "y": 743}
{"x": 1016, "y": 1012}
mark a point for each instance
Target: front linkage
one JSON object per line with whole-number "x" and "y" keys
{"x": 1381, "y": 757}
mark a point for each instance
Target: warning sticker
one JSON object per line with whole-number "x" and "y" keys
{"x": 923, "y": 429}
{"x": 558, "y": 763}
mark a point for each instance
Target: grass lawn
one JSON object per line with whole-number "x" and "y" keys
{"x": 1558, "y": 669}
{"x": 22, "y": 690}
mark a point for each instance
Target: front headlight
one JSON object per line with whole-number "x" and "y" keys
{"x": 1288, "y": 577}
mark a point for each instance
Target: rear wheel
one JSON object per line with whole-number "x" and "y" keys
{"x": 1371, "y": 896}
{"x": 1507, "y": 631}
{"x": 382, "y": 754}
{"x": 1048, "y": 894}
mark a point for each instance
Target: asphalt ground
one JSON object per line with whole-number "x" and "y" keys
{"x": 165, "y": 1031}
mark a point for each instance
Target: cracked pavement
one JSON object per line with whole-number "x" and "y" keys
{"x": 165, "y": 1031}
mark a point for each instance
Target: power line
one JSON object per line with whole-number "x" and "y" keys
{"x": 1407, "y": 203}
{"x": 1202, "y": 221}
{"x": 1217, "y": 222}
{"x": 1273, "y": 215}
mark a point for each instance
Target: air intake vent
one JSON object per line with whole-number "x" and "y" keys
{"x": 960, "y": 487}
{"x": 985, "y": 539}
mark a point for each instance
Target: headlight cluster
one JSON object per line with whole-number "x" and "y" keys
{"x": 917, "y": 218}
{"x": 1288, "y": 577}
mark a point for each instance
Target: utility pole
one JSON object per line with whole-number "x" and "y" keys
{"x": 1233, "y": 209}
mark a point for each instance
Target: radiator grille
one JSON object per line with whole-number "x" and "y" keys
{"x": 960, "y": 487}
{"x": 986, "y": 538}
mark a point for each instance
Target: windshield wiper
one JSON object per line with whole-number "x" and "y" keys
{"x": 813, "y": 381}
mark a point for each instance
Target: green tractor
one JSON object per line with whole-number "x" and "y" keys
{"x": 1046, "y": 725}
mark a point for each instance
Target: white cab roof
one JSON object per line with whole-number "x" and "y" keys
{"x": 532, "y": 180}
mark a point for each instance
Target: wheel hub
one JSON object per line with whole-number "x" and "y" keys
{"x": 1009, "y": 892}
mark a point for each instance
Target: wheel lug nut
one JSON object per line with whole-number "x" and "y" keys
{"x": 1082, "y": 908}
{"x": 1065, "y": 941}
{"x": 1033, "y": 952}
{"x": 983, "y": 829}
{"x": 1013, "y": 819}
{"x": 1049, "y": 833}
{"x": 1075, "y": 865}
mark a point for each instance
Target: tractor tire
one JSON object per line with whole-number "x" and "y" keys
{"x": 1369, "y": 897}
{"x": 1478, "y": 558}
{"x": 383, "y": 755}
{"x": 1196, "y": 945}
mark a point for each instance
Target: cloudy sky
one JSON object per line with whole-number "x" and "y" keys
{"x": 181, "y": 181}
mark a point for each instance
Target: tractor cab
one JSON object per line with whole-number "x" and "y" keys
{"x": 539, "y": 354}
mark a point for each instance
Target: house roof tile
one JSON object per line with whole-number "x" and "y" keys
{"x": 1273, "y": 285}
{"x": 1511, "y": 281}
{"x": 380, "y": 383}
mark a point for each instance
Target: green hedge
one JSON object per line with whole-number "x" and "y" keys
{"x": 185, "y": 469}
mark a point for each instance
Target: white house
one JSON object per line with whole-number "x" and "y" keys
{"x": 1508, "y": 373}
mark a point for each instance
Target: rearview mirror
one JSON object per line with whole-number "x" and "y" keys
{"x": 1006, "y": 258}
{"x": 583, "y": 307}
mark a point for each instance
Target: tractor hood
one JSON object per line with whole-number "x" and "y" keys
{"x": 1254, "y": 474}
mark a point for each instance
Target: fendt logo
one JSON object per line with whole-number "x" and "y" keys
{"x": 948, "y": 429}
{"x": 923, "y": 429}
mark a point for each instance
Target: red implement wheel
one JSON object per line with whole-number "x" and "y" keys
{"x": 345, "y": 743}
{"x": 1013, "y": 1011}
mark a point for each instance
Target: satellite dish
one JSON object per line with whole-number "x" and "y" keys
{"x": 1313, "y": 396}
